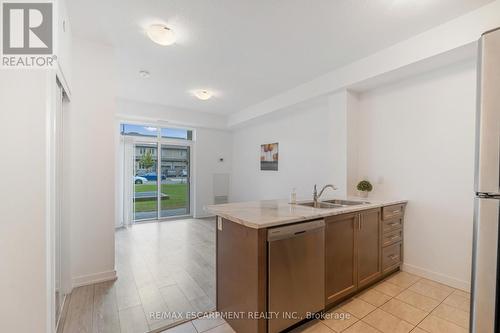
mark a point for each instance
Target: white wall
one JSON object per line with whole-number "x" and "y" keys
{"x": 210, "y": 146}
{"x": 417, "y": 137}
{"x": 23, "y": 201}
{"x": 140, "y": 111}
{"x": 90, "y": 158}
{"x": 312, "y": 150}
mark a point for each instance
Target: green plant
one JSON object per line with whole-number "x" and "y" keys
{"x": 147, "y": 160}
{"x": 365, "y": 186}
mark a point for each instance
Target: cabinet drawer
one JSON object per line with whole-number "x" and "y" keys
{"x": 392, "y": 237}
{"x": 391, "y": 256}
{"x": 391, "y": 225}
{"x": 390, "y": 212}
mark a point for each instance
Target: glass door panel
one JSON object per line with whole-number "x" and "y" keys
{"x": 175, "y": 173}
{"x": 145, "y": 181}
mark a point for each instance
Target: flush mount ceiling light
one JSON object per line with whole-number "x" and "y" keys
{"x": 203, "y": 94}
{"x": 161, "y": 34}
{"x": 144, "y": 74}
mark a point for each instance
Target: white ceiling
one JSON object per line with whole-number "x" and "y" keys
{"x": 247, "y": 50}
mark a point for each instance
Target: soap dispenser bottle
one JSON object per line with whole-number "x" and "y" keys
{"x": 293, "y": 196}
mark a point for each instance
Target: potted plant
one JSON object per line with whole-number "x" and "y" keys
{"x": 364, "y": 187}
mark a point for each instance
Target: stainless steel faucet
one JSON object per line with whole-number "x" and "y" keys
{"x": 316, "y": 196}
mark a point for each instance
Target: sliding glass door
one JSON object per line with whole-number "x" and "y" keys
{"x": 161, "y": 191}
{"x": 175, "y": 170}
{"x": 157, "y": 172}
{"x": 145, "y": 182}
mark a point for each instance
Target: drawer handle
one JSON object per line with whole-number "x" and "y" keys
{"x": 395, "y": 211}
{"x": 393, "y": 257}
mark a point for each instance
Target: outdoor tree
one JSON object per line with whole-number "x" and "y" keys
{"x": 147, "y": 160}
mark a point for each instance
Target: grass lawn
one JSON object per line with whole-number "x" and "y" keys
{"x": 177, "y": 197}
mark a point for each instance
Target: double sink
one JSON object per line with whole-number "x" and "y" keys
{"x": 330, "y": 204}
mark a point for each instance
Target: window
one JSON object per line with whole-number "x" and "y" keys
{"x": 177, "y": 133}
{"x": 152, "y": 131}
{"x": 138, "y": 130}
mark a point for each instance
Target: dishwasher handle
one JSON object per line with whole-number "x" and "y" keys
{"x": 294, "y": 230}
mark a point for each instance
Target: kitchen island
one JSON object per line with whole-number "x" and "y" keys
{"x": 360, "y": 245}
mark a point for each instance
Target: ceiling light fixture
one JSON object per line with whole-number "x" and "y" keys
{"x": 161, "y": 34}
{"x": 144, "y": 74}
{"x": 203, "y": 94}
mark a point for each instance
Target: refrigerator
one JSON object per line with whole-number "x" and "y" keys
{"x": 485, "y": 262}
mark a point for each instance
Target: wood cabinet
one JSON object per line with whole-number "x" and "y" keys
{"x": 340, "y": 256}
{"x": 369, "y": 247}
{"x": 353, "y": 245}
{"x": 392, "y": 237}
{"x": 361, "y": 248}
{"x": 391, "y": 257}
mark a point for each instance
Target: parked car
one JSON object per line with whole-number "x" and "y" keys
{"x": 141, "y": 172}
{"x": 140, "y": 180}
{"x": 151, "y": 176}
{"x": 183, "y": 173}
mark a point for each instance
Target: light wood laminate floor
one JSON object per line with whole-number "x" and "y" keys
{"x": 165, "y": 267}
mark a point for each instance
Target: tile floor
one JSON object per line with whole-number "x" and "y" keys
{"x": 402, "y": 303}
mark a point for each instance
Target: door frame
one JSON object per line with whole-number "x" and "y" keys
{"x": 120, "y": 162}
{"x": 170, "y": 142}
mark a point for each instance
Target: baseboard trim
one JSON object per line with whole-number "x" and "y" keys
{"x": 438, "y": 277}
{"x": 86, "y": 280}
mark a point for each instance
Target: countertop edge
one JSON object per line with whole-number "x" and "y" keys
{"x": 318, "y": 213}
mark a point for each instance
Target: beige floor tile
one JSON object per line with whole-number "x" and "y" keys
{"x": 437, "y": 285}
{"x": 462, "y": 293}
{"x": 418, "y": 330}
{"x": 389, "y": 288}
{"x": 361, "y": 327}
{"x": 433, "y": 324}
{"x": 436, "y": 291}
{"x": 205, "y": 323}
{"x": 358, "y": 308}
{"x": 450, "y": 313}
{"x": 403, "y": 279}
{"x": 374, "y": 297}
{"x": 339, "y": 319}
{"x": 441, "y": 286}
{"x": 455, "y": 300}
{"x": 224, "y": 328}
{"x": 314, "y": 326}
{"x": 404, "y": 311}
{"x": 424, "y": 303}
{"x": 387, "y": 323}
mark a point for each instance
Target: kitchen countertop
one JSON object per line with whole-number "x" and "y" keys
{"x": 271, "y": 213}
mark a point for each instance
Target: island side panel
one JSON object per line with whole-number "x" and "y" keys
{"x": 242, "y": 275}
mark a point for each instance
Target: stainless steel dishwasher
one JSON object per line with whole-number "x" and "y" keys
{"x": 296, "y": 281}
